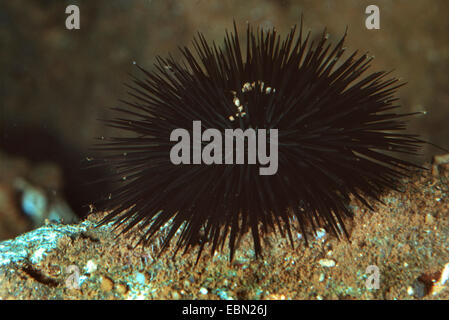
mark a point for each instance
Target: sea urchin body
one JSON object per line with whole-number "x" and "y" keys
{"x": 338, "y": 136}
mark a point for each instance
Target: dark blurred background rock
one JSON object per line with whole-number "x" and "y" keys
{"x": 55, "y": 83}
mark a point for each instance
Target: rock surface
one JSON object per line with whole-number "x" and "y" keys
{"x": 408, "y": 249}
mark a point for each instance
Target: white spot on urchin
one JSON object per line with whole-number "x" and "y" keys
{"x": 236, "y": 102}
{"x": 203, "y": 291}
{"x": 246, "y": 87}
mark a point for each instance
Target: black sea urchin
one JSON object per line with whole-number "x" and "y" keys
{"x": 335, "y": 139}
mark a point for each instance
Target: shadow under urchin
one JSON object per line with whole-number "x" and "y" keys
{"x": 339, "y": 135}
